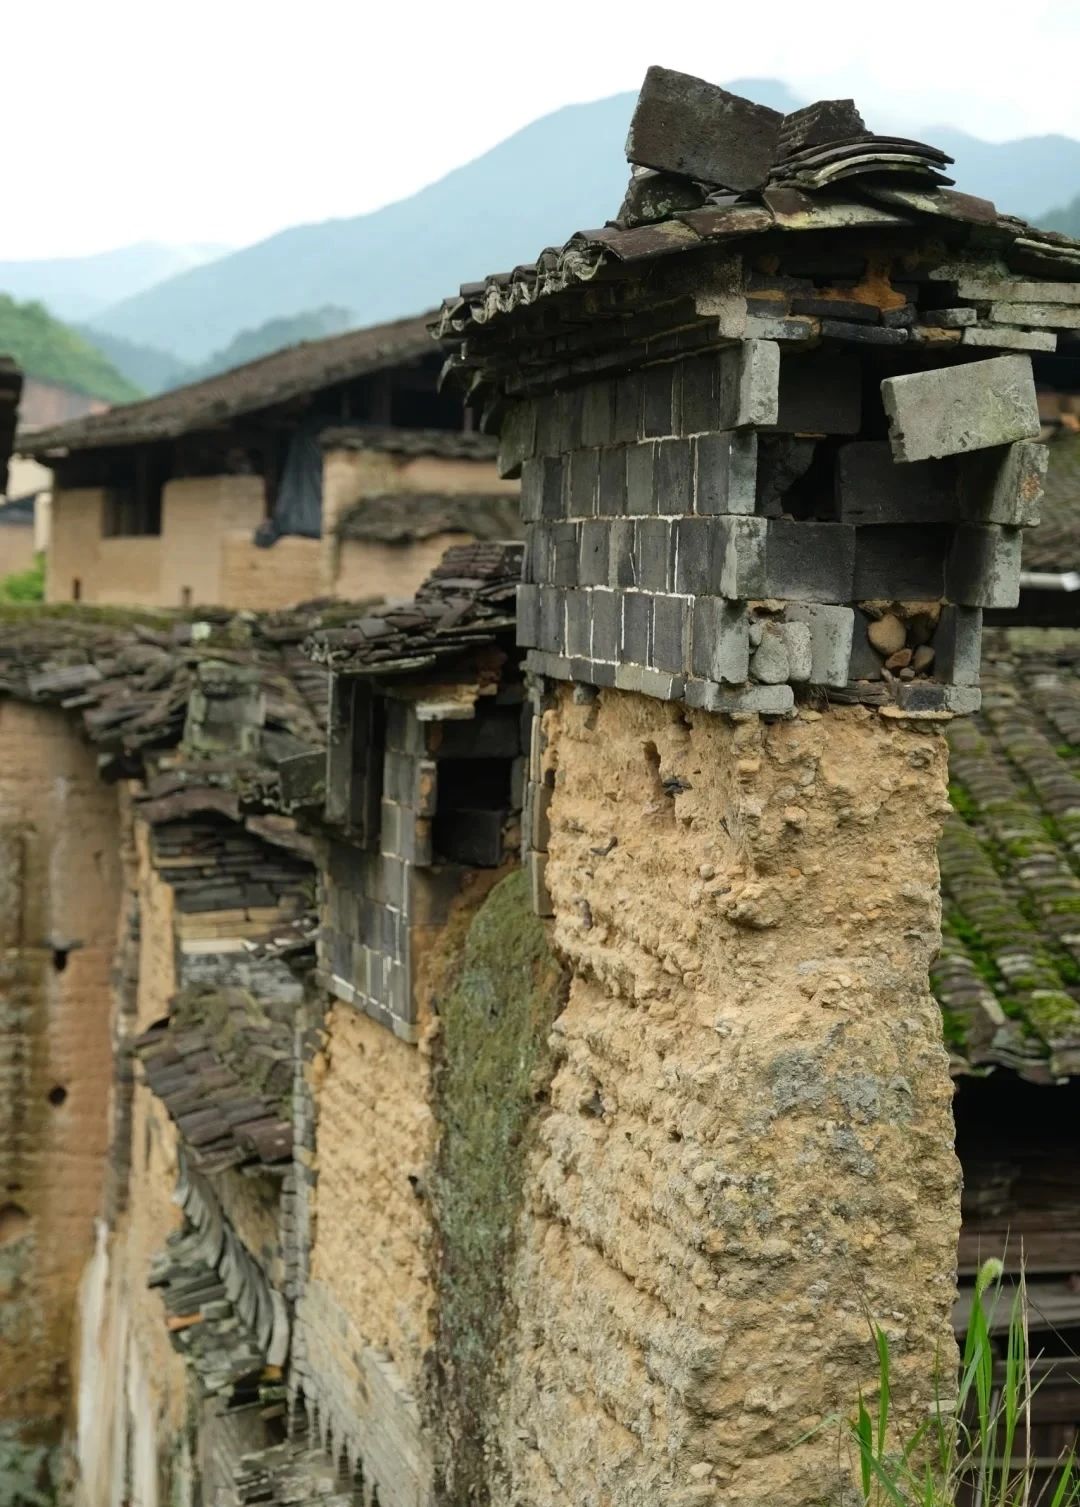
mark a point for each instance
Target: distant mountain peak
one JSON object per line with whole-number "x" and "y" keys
{"x": 489, "y": 215}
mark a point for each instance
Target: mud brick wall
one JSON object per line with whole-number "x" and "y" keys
{"x": 365, "y": 1310}
{"x": 419, "y": 803}
{"x": 749, "y": 1144}
{"x": 60, "y": 897}
{"x": 727, "y": 528}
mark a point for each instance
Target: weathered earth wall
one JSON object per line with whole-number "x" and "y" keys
{"x": 133, "y": 1393}
{"x": 749, "y": 1144}
{"x": 60, "y": 889}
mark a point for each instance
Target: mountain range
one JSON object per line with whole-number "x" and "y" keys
{"x": 563, "y": 172}
{"x": 77, "y": 287}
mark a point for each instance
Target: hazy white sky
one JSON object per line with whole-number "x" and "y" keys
{"x": 225, "y": 120}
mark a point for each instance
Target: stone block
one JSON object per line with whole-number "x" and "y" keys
{"x": 768, "y": 700}
{"x": 541, "y": 899}
{"x": 893, "y": 560}
{"x": 1002, "y": 337}
{"x": 623, "y": 559}
{"x": 984, "y": 566}
{"x": 635, "y": 638}
{"x": 661, "y": 684}
{"x": 550, "y": 434}
{"x": 552, "y": 619}
{"x": 674, "y": 477}
{"x": 831, "y": 630}
{"x": 598, "y": 413}
{"x": 606, "y": 615}
{"x": 758, "y": 389}
{"x": 819, "y": 393}
{"x": 799, "y": 645}
{"x": 954, "y": 409}
{"x": 769, "y": 663}
{"x": 551, "y": 666}
{"x": 871, "y": 487}
{"x": 783, "y": 460}
{"x": 1004, "y": 485}
{"x": 695, "y": 564}
{"x": 720, "y": 644}
{"x": 925, "y": 696}
{"x": 641, "y": 479}
{"x": 531, "y": 496}
{"x": 808, "y": 561}
{"x": 553, "y": 500}
{"x": 865, "y": 662}
{"x": 611, "y": 491}
{"x": 694, "y": 129}
{"x": 660, "y": 401}
{"x": 565, "y": 549}
{"x": 725, "y": 472}
{"x": 578, "y": 623}
{"x": 628, "y": 405}
{"x": 535, "y": 559}
{"x": 740, "y": 549}
{"x": 698, "y": 392}
{"x": 670, "y": 634}
{"x": 655, "y": 553}
{"x": 584, "y": 469}
{"x": 539, "y": 825}
{"x": 595, "y": 547}
{"x": 517, "y": 439}
{"x": 957, "y": 645}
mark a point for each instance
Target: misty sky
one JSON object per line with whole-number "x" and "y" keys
{"x": 225, "y": 120}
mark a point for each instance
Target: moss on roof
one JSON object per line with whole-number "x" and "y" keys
{"x": 1008, "y": 975}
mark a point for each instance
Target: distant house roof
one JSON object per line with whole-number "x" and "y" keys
{"x": 1008, "y": 975}
{"x": 447, "y": 444}
{"x": 1055, "y": 544}
{"x": 307, "y": 367}
{"x": 10, "y": 388}
{"x": 400, "y": 517}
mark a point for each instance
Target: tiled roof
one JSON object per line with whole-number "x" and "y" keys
{"x": 1008, "y": 976}
{"x": 398, "y": 517}
{"x": 1055, "y": 544}
{"x": 466, "y": 602}
{"x": 447, "y": 444}
{"x": 273, "y": 379}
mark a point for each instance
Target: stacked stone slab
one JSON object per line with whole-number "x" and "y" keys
{"x": 776, "y": 425}
{"x": 718, "y": 529}
{"x": 425, "y": 772}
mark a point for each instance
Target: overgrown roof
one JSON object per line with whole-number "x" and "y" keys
{"x": 273, "y": 379}
{"x": 1008, "y": 976}
{"x": 400, "y": 517}
{"x": 466, "y": 603}
{"x": 1055, "y": 544}
{"x": 449, "y": 444}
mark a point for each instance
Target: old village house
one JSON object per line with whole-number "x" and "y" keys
{"x": 330, "y": 468}
{"x": 520, "y": 1008}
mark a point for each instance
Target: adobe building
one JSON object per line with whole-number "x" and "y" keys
{"x": 252, "y": 489}
{"x": 777, "y": 432}
{"x": 477, "y": 1060}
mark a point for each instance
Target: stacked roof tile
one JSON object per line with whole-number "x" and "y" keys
{"x": 1008, "y": 976}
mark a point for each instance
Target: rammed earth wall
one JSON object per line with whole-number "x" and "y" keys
{"x": 749, "y": 1146}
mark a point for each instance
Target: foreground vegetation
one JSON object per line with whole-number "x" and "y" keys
{"x": 975, "y": 1448}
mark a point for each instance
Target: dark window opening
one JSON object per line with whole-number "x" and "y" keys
{"x": 473, "y": 807}
{"x": 57, "y": 1095}
{"x": 424, "y": 410}
{"x": 76, "y": 590}
{"x": 133, "y": 508}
